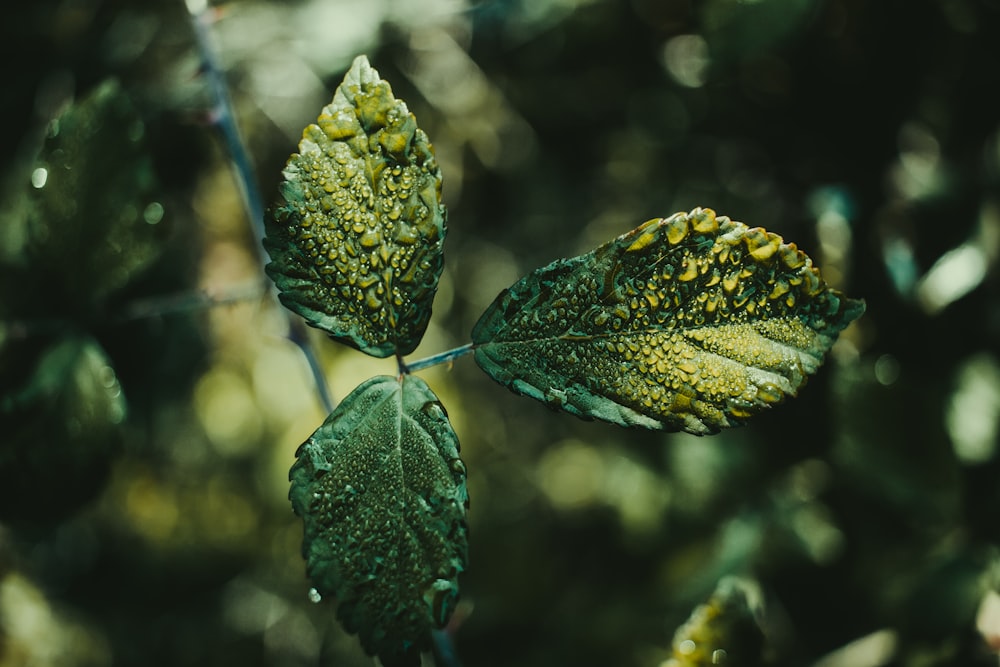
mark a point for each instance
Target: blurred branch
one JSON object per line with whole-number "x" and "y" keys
{"x": 187, "y": 301}
{"x": 444, "y": 649}
{"x": 148, "y": 307}
{"x": 223, "y": 119}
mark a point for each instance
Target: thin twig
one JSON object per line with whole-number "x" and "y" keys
{"x": 297, "y": 333}
{"x": 141, "y": 309}
{"x": 202, "y": 16}
{"x": 444, "y": 649}
{"x": 167, "y": 304}
{"x": 223, "y": 119}
{"x": 439, "y": 358}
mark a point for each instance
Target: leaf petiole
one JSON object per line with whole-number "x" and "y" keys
{"x": 440, "y": 358}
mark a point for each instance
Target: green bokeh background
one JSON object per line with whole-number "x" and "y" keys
{"x": 146, "y": 434}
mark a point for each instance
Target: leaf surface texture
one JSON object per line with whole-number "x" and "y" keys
{"x": 694, "y": 322}
{"x": 356, "y": 247}
{"x": 381, "y": 489}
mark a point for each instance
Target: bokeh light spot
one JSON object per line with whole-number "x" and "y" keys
{"x": 686, "y": 59}
{"x": 153, "y": 213}
{"x": 973, "y": 413}
{"x": 887, "y": 370}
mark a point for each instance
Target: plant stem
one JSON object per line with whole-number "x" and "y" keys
{"x": 444, "y": 649}
{"x": 297, "y": 333}
{"x": 440, "y": 358}
{"x": 178, "y": 303}
{"x": 224, "y": 121}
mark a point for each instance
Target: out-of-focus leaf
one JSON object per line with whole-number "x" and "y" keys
{"x": 91, "y": 215}
{"x": 356, "y": 248}
{"x": 381, "y": 489}
{"x": 692, "y": 322}
{"x": 723, "y": 631}
{"x": 60, "y": 413}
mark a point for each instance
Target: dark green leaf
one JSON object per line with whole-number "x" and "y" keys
{"x": 61, "y": 409}
{"x": 692, "y": 322}
{"x": 356, "y": 248}
{"x": 90, "y": 214}
{"x": 381, "y": 489}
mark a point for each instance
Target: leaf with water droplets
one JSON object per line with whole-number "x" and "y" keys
{"x": 381, "y": 490}
{"x": 693, "y": 322}
{"x": 86, "y": 225}
{"x": 356, "y": 248}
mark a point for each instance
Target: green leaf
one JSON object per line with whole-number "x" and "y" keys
{"x": 692, "y": 322}
{"x": 88, "y": 220}
{"x": 724, "y": 630}
{"x": 381, "y": 489}
{"x": 61, "y": 412}
{"x": 356, "y": 248}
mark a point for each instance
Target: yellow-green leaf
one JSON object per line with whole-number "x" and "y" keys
{"x": 725, "y": 630}
{"x": 356, "y": 248}
{"x": 381, "y": 490}
{"x": 694, "y": 322}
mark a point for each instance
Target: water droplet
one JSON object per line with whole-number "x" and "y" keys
{"x": 39, "y": 177}
{"x": 153, "y": 213}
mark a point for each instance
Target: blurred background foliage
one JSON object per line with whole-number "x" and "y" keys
{"x": 150, "y": 402}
